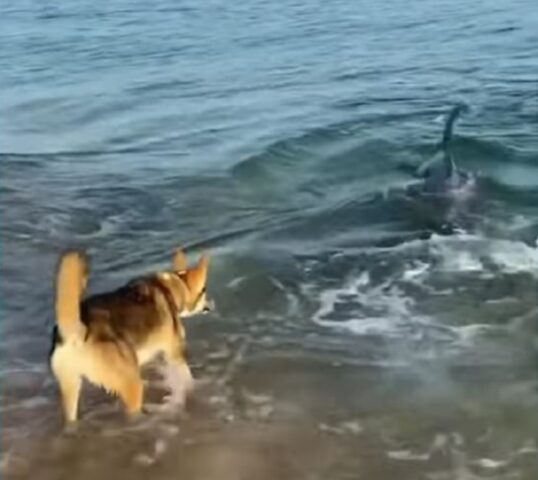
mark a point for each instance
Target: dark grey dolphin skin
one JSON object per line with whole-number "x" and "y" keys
{"x": 444, "y": 198}
{"x": 443, "y": 177}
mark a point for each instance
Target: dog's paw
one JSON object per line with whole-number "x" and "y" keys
{"x": 70, "y": 428}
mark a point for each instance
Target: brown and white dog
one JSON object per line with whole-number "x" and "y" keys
{"x": 107, "y": 337}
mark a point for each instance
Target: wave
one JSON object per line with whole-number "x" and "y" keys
{"x": 446, "y": 297}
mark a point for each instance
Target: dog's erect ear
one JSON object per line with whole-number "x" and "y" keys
{"x": 197, "y": 276}
{"x": 179, "y": 261}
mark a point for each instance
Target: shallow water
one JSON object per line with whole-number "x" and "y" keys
{"x": 352, "y": 339}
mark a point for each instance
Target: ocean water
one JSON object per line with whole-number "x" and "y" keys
{"x": 353, "y": 337}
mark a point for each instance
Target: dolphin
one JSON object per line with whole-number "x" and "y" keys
{"x": 441, "y": 176}
{"x": 444, "y": 197}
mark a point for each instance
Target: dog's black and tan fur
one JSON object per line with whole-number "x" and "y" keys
{"x": 105, "y": 338}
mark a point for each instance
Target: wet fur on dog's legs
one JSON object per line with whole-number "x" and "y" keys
{"x": 106, "y": 338}
{"x": 111, "y": 366}
{"x": 70, "y": 383}
{"x": 132, "y": 393}
{"x": 116, "y": 369}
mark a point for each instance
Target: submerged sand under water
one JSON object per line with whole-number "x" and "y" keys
{"x": 348, "y": 377}
{"x": 350, "y": 340}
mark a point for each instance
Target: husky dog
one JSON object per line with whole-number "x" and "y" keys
{"x": 105, "y": 338}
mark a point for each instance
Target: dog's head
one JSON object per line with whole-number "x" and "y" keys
{"x": 195, "y": 281}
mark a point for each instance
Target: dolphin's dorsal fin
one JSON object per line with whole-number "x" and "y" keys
{"x": 448, "y": 170}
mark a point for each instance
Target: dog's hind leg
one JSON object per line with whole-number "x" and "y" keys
{"x": 69, "y": 380}
{"x": 132, "y": 393}
{"x": 114, "y": 367}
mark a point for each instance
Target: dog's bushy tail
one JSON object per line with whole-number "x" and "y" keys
{"x": 70, "y": 285}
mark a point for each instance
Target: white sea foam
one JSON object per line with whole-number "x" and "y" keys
{"x": 514, "y": 257}
{"x": 387, "y": 308}
{"x": 470, "y": 252}
{"x": 408, "y": 455}
{"x": 390, "y": 304}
